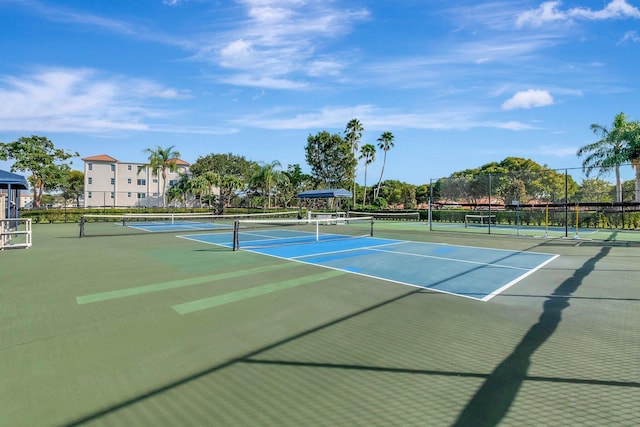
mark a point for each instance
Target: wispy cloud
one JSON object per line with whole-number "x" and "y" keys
{"x": 78, "y": 17}
{"x": 528, "y": 99}
{"x": 80, "y": 100}
{"x": 377, "y": 118}
{"x": 551, "y": 11}
{"x": 630, "y": 36}
{"x": 281, "y": 41}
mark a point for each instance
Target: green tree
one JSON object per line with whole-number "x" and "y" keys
{"x": 609, "y": 152}
{"x": 38, "y": 156}
{"x": 595, "y": 190}
{"x": 632, "y": 153}
{"x": 73, "y": 186}
{"x": 229, "y": 184}
{"x": 161, "y": 160}
{"x": 353, "y": 134}
{"x": 368, "y": 154}
{"x": 385, "y": 143}
{"x": 264, "y": 177}
{"x": 223, "y": 165}
{"x": 296, "y": 181}
{"x": 201, "y": 186}
{"x": 330, "y": 159}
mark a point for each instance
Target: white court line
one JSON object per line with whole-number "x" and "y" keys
{"x": 517, "y": 279}
{"x": 457, "y": 260}
{"x": 368, "y": 248}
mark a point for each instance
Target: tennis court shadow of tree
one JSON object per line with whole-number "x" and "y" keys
{"x": 494, "y": 398}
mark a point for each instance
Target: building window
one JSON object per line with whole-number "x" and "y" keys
{"x": 155, "y": 180}
{"x": 112, "y": 194}
{"x": 90, "y": 180}
{"x": 113, "y": 168}
{"x": 142, "y": 182}
{"x": 142, "y": 195}
{"x": 173, "y": 182}
{"x": 90, "y": 166}
{"x": 128, "y": 167}
{"x": 129, "y": 194}
{"x": 89, "y": 196}
{"x": 128, "y": 180}
{"x": 113, "y": 181}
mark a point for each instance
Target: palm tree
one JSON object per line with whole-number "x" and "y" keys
{"x": 352, "y": 134}
{"x": 385, "y": 143}
{"x": 368, "y": 153}
{"x": 201, "y": 186}
{"x": 179, "y": 190}
{"x": 608, "y": 152}
{"x": 161, "y": 160}
{"x": 264, "y": 177}
{"x": 632, "y": 136}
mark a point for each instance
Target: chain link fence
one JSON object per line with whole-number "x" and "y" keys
{"x": 533, "y": 201}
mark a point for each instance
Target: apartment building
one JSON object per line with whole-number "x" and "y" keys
{"x": 110, "y": 182}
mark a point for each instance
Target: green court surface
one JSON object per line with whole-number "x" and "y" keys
{"x": 151, "y": 329}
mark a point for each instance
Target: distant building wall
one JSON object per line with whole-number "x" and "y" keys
{"x": 111, "y": 183}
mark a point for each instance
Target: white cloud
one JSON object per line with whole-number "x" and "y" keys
{"x": 630, "y": 36}
{"x": 546, "y": 12}
{"x": 550, "y": 11}
{"x": 279, "y": 41}
{"x": 78, "y": 100}
{"x": 528, "y": 99}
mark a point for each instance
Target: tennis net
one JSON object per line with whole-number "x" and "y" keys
{"x": 263, "y": 233}
{"x": 144, "y": 223}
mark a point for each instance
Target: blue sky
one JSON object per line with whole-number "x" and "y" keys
{"x": 459, "y": 84}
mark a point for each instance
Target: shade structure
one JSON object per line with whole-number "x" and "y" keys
{"x": 324, "y": 194}
{"x": 12, "y": 183}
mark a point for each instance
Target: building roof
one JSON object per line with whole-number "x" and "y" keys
{"x": 17, "y": 182}
{"x": 179, "y": 162}
{"x": 100, "y": 158}
{"x": 109, "y": 159}
{"x": 323, "y": 194}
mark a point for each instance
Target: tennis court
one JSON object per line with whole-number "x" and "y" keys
{"x": 478, "y": 273}
{"x": 145, "y": 328}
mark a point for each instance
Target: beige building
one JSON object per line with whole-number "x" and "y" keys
{"x": 110, "y": 182}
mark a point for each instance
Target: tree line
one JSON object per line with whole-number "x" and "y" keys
{"x": 333, "y": 160}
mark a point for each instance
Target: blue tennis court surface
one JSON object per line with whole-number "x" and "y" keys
{"x": 472, "y": 272}
{"x": 163, "y": 227}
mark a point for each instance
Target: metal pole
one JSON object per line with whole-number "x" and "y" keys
{"x": 236, "y": 228}
{"x": 489, "y": 204}
{"x": 430, "y": 204}
{"x": 566, "y": 203}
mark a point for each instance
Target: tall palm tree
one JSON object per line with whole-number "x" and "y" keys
{"x": 352, "y": 134}
{"x": 608, "y": 152}
{"x": 385, "y": 143}
{"x": 162, "y": 160}
{"x": 368, "y": 153}
{"x": 264, "y": 178}
{"x": 632, "y": 136}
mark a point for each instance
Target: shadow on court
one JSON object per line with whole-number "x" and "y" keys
{"x": 247, "y": 358}
{"x": 494, "y": 398}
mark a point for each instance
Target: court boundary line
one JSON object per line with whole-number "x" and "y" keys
{"x": 485, "y": 298}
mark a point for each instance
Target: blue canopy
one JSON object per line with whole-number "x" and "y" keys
{"x": 13, "y": 181}
{"x": 323, "y": 194}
